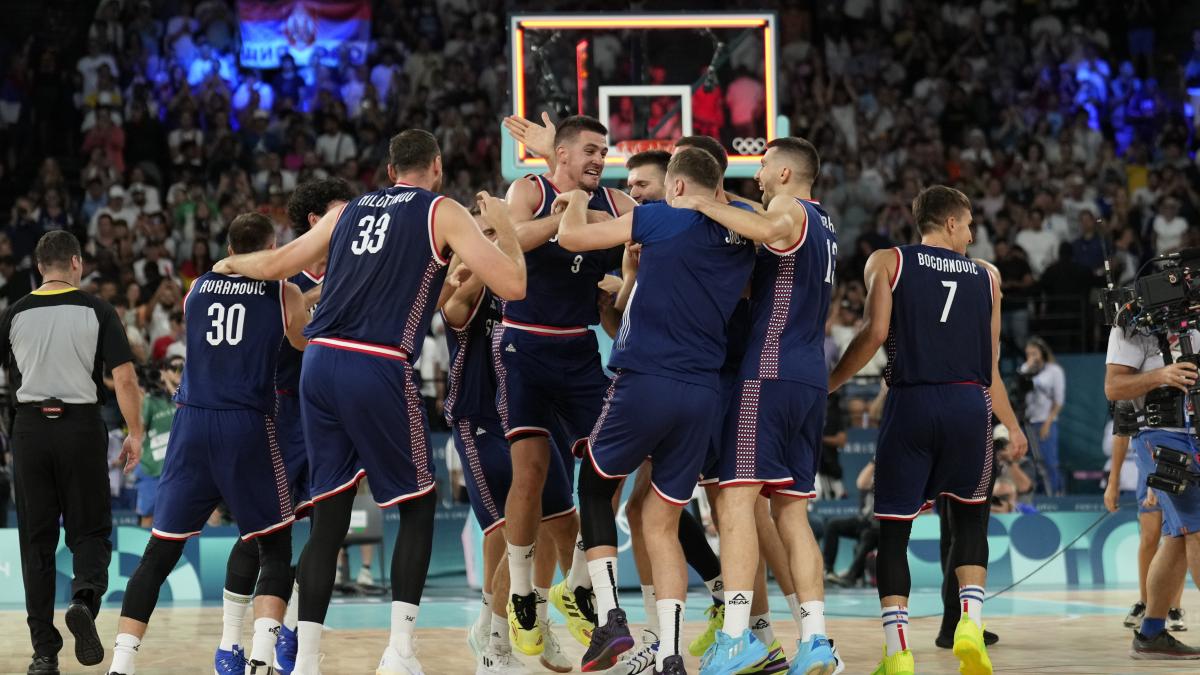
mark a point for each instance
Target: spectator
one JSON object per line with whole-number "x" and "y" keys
{"x": 335, "y": 146}
{"x": 158, "y": 412}
{"x": 1169, "y": 227}
{"x": 1088, "y": 249}
{"x": 833, "y": 438}
{"x": 862, "y": 527}
{"x": 178, "y": 336}
{"x": 1043, "y": 403}
{"x": 1039, "y": 244}
{"x": 1016, "y": 284}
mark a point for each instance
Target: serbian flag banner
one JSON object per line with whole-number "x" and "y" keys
{"x": 310, "y": 30}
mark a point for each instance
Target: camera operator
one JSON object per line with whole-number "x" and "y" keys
{"x": 1135, "y": 367}
{"x": 1043, "y": 402}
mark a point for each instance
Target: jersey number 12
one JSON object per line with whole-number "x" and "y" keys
{"x": 831, "y": 263}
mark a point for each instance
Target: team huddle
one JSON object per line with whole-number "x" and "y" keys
{"x": 300, "y": 376}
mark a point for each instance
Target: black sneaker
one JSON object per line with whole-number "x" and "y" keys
{"x": 947, "y": 641}
{"x": 672, "y": 665}
{"x": 259, "y": 668}
{"x": 583, "y": 600}
{"x": 88, "y": 648}
{"x": 1161, "y": 647}
{"x": 608, "y": 642}
{"x": 43, "y": 665}
{"x": 1136, "y": 614}
{"x": 524, "y": 607}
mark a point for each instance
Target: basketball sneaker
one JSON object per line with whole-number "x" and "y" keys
{"x": 523, "y": 629}
{"x": 672, "y": 665}
{"x": 364, "y": 577}
{"x": 732, "y": 654}
{"x": 640, "y": 661}
{"x": 477, "y": 637}
{"x": 608, "y": 642}
{"x": 716, "y": 619}
{"x": 1175, "y": 620}
{"x": 814, "y": 657}
{"x": 776, "y": 661}
{"x": 231, "y": 662}
{"x": 576, "y": 608}
{"x": 498, "y": 661}
{"x": 285, "y": 651}
{"x": 970, "y": 649}
{"x": 1136, "y": 614}
{"x": 258, "y": 668}
{"x": 553, "y": 657}
{"x": 900, "y": 663}
{"x": 1161, "y": 647}
{"x": 394, "y": 663}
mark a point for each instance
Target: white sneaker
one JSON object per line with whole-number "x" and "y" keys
{"x": 493, "y": 661}
{"x": 553, "y": 657}
{"x": 633, "y": 662}
{"x": 1175, "y": 621}
{"x": 394, "y": 663}
{"x": 837, "y": 658}
{"x": 477, "y": 638}
{"x": 364, "y": 577}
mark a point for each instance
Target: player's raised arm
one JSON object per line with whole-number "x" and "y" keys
{"x": 1001, "y": 405}
{"x": 877, "y": 317}
{"x": 500, "y": 266}
{"x": 537, "y": 138}
{"x": 576, "y": 234}
{"x": 777, "y": 227}
{"x": 297, "y": 315}
{"x": 292, "y": 258}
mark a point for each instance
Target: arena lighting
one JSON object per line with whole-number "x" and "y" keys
{"x": 655, "y": 21}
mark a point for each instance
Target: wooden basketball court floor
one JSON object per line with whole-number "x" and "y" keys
{"x": 1073, "y": 631}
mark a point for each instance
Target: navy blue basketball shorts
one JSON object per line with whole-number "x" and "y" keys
{"x": 544, "y": 381}
{"x": 295, "y": 455}
{"x": 222, "y": 455}
{"x": 487, "y": 469}
{"x": 669, "y": 421}
{"x": 933, "y": 440}
{"x": 711, "y": 474}
{"x": 1181, "y": 513}
{"x": 363, "y": 415}
{"x": 772, "y": 437}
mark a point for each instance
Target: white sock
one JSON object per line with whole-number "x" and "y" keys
{"x": 308, "y": 647}
{"x": 124, "y": 653}
{"x": 485, "y": 613}
{"x": 543, "y": 607}
{"x": 648, "y": 603}
{"x": 972, "y": 603}
{"x": 604, "y": 584}
{"x": 498, "y": 640}
{"x": 812, "y": 619}
{"x": 404, "y": 620}
{"x": 266, "y": 632}
{"x": 895, "y": 628}
{"x": 793, "y": 603}
{"x": 233, "y": 613}
{"x": 578, "y": 575}
{"x": 737, "y": 612}
{"x": 293, "y": 608}
{"x": 716, "y": 588}
{"x": 760, "y": 626}
{"x": 670, "y": 618}
{"x": 520, "y": 569}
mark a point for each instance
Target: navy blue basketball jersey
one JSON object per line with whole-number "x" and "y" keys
{"x": 471, "y": 382}
{"x": 234, "y": 325}
{"x": 691, "y": 276}
{"x": 941, "y": 326}
{"x": 737, "y": 337}
{"x": 562, "y": 291}
{"x": 384, "y": 274}
{"x": 789, "y": 303}
{"x": 287, "y": 371}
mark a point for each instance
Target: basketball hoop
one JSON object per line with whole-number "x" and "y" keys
{"x": 632, "y": 147}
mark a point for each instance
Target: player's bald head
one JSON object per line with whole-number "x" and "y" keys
{"x": 694, "y": 166}
{"x": 708, "y": 144}
{"x": 798, "y": 155}
{"x": 412, "y": 150}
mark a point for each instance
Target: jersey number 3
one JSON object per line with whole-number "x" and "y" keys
{"x": 371, "y": 233}
{"x": 226, "y": 324}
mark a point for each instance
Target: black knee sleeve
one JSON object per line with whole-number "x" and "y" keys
{"x": 242, "y": 568}
{"x": 275, "y": 575}
{"x": 597, "y": 523}
{"x": 141, "y": 593}
{"x": 892, "y": 560}
{"x": 968, "y": 533}
{"x": 413, "y": 548}
{"x": 318, "y": 563}
{"x": 696, "y": 551}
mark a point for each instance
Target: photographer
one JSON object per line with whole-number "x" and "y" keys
{"x": 158, "y": 412}
{"x": 1043, "y": 402}
{"x": 1135, "y": 367}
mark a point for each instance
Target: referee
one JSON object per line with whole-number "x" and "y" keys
{"x": 55, "y": 343}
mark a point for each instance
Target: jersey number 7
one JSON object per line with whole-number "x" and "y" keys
{"x": 953, "y": 286}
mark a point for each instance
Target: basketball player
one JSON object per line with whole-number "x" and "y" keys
{"x": 223, "y": 439}
{"x": 773, "y": 430}
{"x": 939, "y": 313}
{"x": 548, "y": 368}
{"x": 665, "y": 396}
{"x": 387, "y": 255}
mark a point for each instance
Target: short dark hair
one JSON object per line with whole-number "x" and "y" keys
{"x": 314, "y": 196}
{"x": 659, "y": 158}
{"x": 250, "y": 232}
{"x": 412, "y": 149}
{"x": 571, "y": 127}
{"x": 697, "y": 166}
{"x": 935, "y": 204}
{"x": 708, "y": 144}
{"x": 800, "y": 151}
{"x": 56, "y": 248}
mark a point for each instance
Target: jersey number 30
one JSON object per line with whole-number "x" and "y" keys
{"x": 226, "y": 324}
{"x": 371, "y": 233}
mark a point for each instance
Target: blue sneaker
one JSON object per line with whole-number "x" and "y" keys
{"x": 285, "y": 651}
{"x": 814, "y": 657}
{"x": 729, "y": 654}
{"x": 231, "y": 662}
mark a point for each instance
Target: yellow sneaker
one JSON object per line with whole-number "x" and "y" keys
{"x": 900, "y": 663}
{"x": 522, "y": 611}
{"x": 970, "y": 649}
{"x": 578, "y": 624}
{"x": 716, "y": 618}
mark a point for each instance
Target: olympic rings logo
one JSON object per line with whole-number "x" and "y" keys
{"x": 749, "y": 146}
